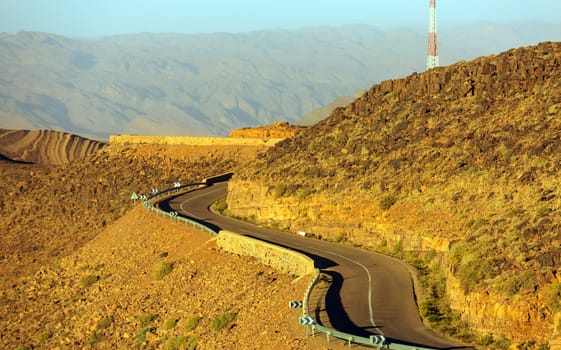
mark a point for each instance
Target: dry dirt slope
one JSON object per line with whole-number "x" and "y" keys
{"x": 100, "y": 295}
{"x": 49, "y": 211}
{"x": 77, "y": 276}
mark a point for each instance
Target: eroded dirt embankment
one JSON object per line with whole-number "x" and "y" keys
{"x": 99, "y": 295}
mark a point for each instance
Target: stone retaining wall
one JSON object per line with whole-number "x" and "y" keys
{"x": 188, "y": 140}
{"x": 283, "y": 259}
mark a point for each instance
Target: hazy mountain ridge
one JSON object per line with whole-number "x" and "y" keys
{"x": 209, "y": 84}
{"x": 323, "y": 112}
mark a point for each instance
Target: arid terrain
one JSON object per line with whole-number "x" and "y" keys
{"x": 46, "y": 205}
{"x": 82, "y": 263}
{"x": 456, "y": 169}
{"x": 107, "y": 294}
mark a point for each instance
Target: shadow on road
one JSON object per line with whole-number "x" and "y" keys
{"x": 164, "y": 205}
{"x": 338, "y": 317}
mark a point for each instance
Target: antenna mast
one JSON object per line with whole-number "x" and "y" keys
{"x": 432, "y": 57}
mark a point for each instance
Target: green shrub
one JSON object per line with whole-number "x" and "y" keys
{"x": 512, "y": 285}
{"x": 436, "y": 308}
{"x": 305, "y": 192}
{"x": 94, "y": 338}
{"x": 397, "y": 249}
{"x": 162, "y": 269}
{"x": 472, "y": 273}
{"x": 192, "y": 322}
{"x": 88, "y": 280}
{"x": 387, "y": 201}
{"x": 554, "y": 297}
{"x": 43, "y": 337}
{"x": 473, "y": 263}
{"x": 487, "y": 340}
{"x": 429, "y": 310}
{"x": 478, "y": 223}
{"x": 141, "y": 334}
{"x": 145, "y": 326}
{"x": 222, "y": 321}
{"x": 25, "y": 347}
{"x": 104, "y": 323}
{"x": 221, "y": 206}
{"x": 501, "y": 344}
{"x": 188, "y": 342}
{"x": 543, "y": 210}
{"x": 146, "y": 320}
{"x": 169, "y": 323}
{"x": 280, "y": 190}
{"x": 340, "y": 238}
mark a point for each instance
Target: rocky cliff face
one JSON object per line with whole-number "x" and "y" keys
{"x": 523, "y": 317}
{"x": 462, "y": 161}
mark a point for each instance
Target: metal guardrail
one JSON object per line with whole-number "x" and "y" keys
{"x": 306, "y": 302}
{"x": 374, "y": 340}
{"x": 377, "y": 341}
{"x": 173, "y": 215}
{"x": 174, "y": 189}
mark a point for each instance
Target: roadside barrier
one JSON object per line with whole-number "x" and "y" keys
{"x": 282, "y": 259}
{"x": 174, "y": 215}
{"x": 307, "y": 320}
{"x": 373, "y": 340}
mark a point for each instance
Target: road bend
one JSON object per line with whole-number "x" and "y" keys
{"x": 370, "y": 294}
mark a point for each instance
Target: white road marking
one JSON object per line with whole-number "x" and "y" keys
{"x": 317, "y": 249}
{"x": 195, "y": 197}
{"x": 369, "y": 281}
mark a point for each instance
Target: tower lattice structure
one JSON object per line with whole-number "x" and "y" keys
{"x": 432, "y": 56}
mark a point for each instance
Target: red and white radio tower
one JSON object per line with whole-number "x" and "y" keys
{"x": 432, "y": 57}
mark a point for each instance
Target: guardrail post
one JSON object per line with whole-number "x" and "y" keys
{"x": 328, "y": 333}
{"x": 350, "y": 340}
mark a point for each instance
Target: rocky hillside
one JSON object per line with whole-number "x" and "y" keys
{"x": 85, "y": 267}
{"x": 112, "y": 293}
{"x": 45, "y": 146}
{"x": 459, "y": 165}
{"x": 48, "y": 212}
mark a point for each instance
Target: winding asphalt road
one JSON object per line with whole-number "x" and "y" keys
{"x": 371, "y": 294}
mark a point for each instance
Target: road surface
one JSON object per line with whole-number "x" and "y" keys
{"x": 371, "y": 294}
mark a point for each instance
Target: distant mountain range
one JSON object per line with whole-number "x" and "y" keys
{"x": 209, "y": 84}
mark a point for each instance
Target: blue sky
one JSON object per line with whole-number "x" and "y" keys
{"x": 92, "y": 18}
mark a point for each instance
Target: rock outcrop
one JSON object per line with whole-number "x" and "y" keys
{"x": 462, "y": 161}
{"x": 277, "y": 130}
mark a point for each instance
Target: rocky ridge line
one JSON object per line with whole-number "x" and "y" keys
{"x": 462, "y": 161}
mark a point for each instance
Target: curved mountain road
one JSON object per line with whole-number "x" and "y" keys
{"x": 370, "y": 294}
